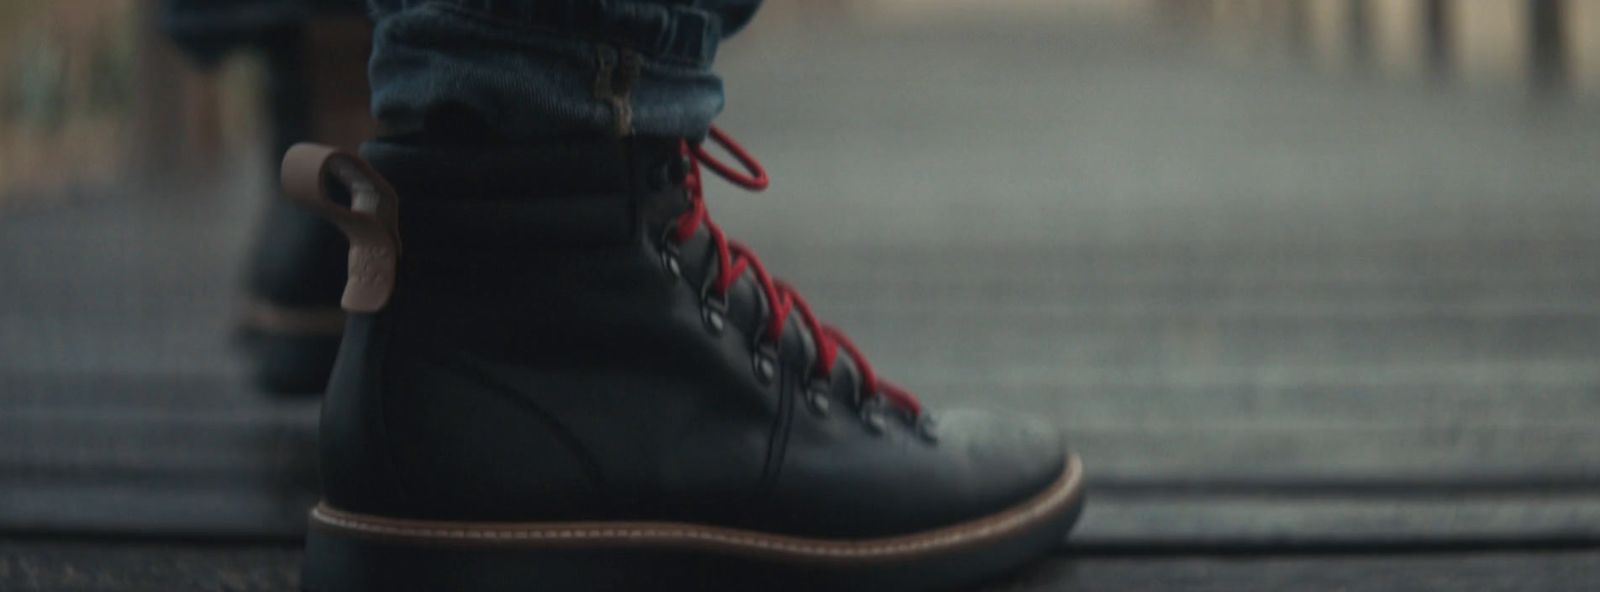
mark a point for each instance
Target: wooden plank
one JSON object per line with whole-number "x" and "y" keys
{"x": 1218, "y": 453}
{"x": 1086, "y": 397}
{"x": 92, "y": 567}
{"x": 1508, "y": 572}
{"x": 80, "y": 567}
{"x": 94, "y": 424}
{"x": 262, "y": 505}
{"x": 256, "y": 505}
{"x": 1176, "y": 519}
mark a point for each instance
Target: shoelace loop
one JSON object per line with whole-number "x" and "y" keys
{"x": 734, "y": 258}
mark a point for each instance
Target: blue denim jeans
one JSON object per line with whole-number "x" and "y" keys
{"x": 518, "y": 70}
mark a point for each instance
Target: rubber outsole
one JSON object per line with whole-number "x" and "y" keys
{"x": 348, "y": 552}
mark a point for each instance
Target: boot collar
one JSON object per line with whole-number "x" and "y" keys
{"x": 572, "y": 193}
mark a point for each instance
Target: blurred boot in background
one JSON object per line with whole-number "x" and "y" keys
{"x": 316, "y": 53}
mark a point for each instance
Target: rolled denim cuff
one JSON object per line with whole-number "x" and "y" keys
{"x": 504, "y": 70}
{"x": 659, "y": 30}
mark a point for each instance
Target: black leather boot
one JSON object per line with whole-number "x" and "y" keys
{"x": 558, "y": 374}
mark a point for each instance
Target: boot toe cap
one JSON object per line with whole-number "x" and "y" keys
{"x": 977, "y": 464}
{"x": 1005, "y": 458}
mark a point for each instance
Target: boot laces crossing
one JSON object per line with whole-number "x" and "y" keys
{"x": 734, "y": 258}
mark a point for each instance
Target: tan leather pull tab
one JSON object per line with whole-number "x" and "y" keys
{"x": 371, "y": 222}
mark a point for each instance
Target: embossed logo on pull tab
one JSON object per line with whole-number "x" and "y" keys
{"x": 314, "y": 176}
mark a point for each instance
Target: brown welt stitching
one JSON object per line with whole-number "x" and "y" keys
{"x": 1058, "y": 497}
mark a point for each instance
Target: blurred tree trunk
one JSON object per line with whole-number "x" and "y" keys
{"x": 1438, "y": 44}
{"x": 175, "y": 137}
{"x": 1297, "y": 27}
{"x": 1184, "y": 14}
{"x": 1358, "y": 35}
{"x": 1547, "y": 47}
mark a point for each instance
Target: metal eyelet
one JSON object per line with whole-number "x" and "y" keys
{"x": 874, "y": 422}
{"x": 714, "y": 311}
{"x": 669, "y": 260}
{"x": 817, "y": 397}
{"x": 872, "y": 417}
{"x": 927, "y": 428}
{"x": 765, "y": 363}
{"x": 671, "y": 257}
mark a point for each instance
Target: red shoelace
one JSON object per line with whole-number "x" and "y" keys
{"x": 734, "y": 258}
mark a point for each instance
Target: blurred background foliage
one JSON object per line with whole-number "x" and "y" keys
{"x": 68, "y": 68}
{"x": 92, "y": 95}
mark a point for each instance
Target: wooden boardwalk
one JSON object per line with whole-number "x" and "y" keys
{"x": 1308, "y": 331}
